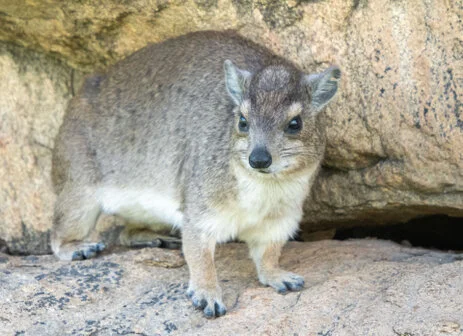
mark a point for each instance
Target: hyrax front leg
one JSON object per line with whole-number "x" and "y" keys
{"x": 76, "y": 213}
{"x": 203, "y": 289}
{"x": 266, "y": 257}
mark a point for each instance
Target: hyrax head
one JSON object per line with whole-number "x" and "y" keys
{"x": 276, "y": 116}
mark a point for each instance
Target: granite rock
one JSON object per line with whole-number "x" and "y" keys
{"x": 34, "y": 91}
{"x": 362, "y": 287}
{"x": 395, "y": 131}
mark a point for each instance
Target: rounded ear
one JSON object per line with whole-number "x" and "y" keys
{"x": 322, "y": 86}
{"x": 236, "y": 81}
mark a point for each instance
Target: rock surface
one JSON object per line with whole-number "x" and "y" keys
{"x": 395, "y": 132}
{"x": 34, "y": 91}
{"x": 363, "y": 287}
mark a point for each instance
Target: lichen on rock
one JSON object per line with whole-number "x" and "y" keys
{"x": 412, "y": 292}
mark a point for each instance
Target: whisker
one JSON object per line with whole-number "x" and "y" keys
{"x": 292, "y": 149}
{"x": 239, "y": 152}
{"x": 288, "y": 154}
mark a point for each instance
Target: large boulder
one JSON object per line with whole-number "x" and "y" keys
{"x": 395, "y": 132}
{"x": 34, "y": 91}
{"x": 356, "y": 288}
{"x": 395, "y": 138}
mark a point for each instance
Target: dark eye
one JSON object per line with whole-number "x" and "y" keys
{"x": 243, "y": 124}
{"x": 294, "y": 126}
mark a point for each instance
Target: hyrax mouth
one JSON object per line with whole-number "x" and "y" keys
{"x": 262, "y": 171}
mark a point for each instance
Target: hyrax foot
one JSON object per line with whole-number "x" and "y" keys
{"x": 210, "y": 302}
{"x": 142, "y": 244}
{"x": 283, "y": 281}
{"x": 147, "y": 238}
{"x": 162, "y": 241}
{"x": 79, "y": 251}
{"x": 171, "y": 242}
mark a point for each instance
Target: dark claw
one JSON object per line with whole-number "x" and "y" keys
{"x": 336, "y": 73}
{"x": 77, "y": 255}
{"x": 209, "y": 312}
{"x": 220, "y": 310}
{"x": 90, "y": 253}
{"x": 199, "y": 304}
{"x": 100, "y": 247}
{"x": 144, "y": 244}
{"x": 294, "y": 286}
{"x": 92, "y": 248}
{"x": 172, "y": 245}
{"x": 300, "y": 282}
{"x": 282, "y": 290}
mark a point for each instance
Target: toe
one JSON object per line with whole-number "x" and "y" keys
{"x": 77, "y": 255}
{"x": 190, "y": 293}
{"x": 87, "y": 254}
{"x": 293, "y": 286}
{"x": 281, "y": 289}
{"x": 215, "y": 309}
{"x": 199, "y": 303}
{"x": 220, "y": 309}
{"x": 209, "y": 312}
{"x": 100, "y": 247}
{"x": 171, "y": 244}
{"x": 88, "y": 251}
{"x": 285, "y": 282}
{"x": 146, "y": 244}
{"x": 209, "y": 303}
{"x": 297, "y": 278}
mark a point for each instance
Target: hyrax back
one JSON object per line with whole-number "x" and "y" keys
{"x": 207, "y": 132}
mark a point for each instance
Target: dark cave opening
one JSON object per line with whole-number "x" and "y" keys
{"x": 435, "y": 232}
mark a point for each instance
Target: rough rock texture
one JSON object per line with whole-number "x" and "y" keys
{"x": 353, "y": 288}
{"x": 34, "y": 91}
{"x": 396, "y": 136}
{"x": 395, "y": 133}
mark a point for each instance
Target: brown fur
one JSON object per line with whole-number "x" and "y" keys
{"x": 156, "y": 140}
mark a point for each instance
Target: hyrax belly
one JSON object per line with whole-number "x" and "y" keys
{"x": 141, "y": 205}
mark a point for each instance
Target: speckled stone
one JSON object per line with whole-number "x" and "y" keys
{"x": 362, "y": 287}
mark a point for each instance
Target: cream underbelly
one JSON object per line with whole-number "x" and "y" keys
{"x": 232, "y": 224}
{"x": 142, "y": 205}
{"x": 268, "y": 221}
{"x": 264, "y": 210}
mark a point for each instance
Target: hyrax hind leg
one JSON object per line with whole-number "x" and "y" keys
{"x": 76, "y": 213}
{"x": 266, "y": 257}
{"x": 141, "y": 235}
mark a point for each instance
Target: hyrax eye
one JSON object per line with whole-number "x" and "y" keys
{"x": 294, "y": 126}
{"x": 243, "y": 124}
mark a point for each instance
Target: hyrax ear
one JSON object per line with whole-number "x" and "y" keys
{"x": 322, "y": 86}
{"x": 236, "y": 81}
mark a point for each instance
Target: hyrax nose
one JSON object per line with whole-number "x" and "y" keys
{"x": 260, "y": 158}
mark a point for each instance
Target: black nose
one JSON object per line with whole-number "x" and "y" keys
{"x": 260, "y": 158}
